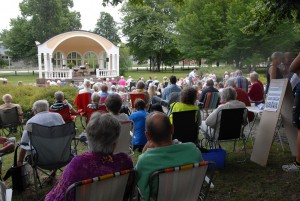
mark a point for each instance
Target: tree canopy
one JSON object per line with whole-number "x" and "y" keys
{"x": 107, "y": 27}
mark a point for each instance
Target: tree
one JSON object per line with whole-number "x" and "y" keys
{"x": 125, "y": 61}
{"x": 39, "y": 21}
{"x": 107, "y": 27}
{"x": 150, "y": 28}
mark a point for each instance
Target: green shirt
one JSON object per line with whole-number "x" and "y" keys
{"x": 161, "y": 158}
{"x": 181, "y": 107}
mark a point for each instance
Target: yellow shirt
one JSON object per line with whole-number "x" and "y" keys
{"x": 181, "y": 107}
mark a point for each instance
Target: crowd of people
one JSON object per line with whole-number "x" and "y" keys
{"x": 152, "y": 118}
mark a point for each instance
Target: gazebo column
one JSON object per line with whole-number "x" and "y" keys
{"x": 40, "y": 66}
{"x": 117, "y": 64}
{"x": 50, "y": 62}
{"x": 46, "y": 65}
{"x": 63, "y": 59}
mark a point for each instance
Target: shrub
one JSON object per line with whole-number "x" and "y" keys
{"x": 26, "y": 95}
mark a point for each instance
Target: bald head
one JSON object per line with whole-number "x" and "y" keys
{"x": 159, "y": 127}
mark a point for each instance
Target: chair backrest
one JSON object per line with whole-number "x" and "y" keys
{"x": 175, "y": 97}
{"x": 134, "y": 96}
{"x": 9, "y": 117}
{"x": 124, "y": 138}
{"x": 186, "y": 126}
{"x": 231, "y": 124}
{"x": 181, "y": 183}
{"x": 90, "y": 111}
{"x": 131, "y": 84}
{"x": 116, "y": 187}
{"x": 65, "y": 113}
{"x": 82, "y": 100}
{"x": 211, "y": 100}
{"x": 52, "y": 144}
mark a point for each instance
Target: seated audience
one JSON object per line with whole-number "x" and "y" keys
{"x": 113, "y": 104}
{"x": 167, "y": 93}
{"x": 104, "y": 93}
{"x": 60, "y": 104}
{"x": 209, "y": 88}
{"x": 7, "y": 99}
{"x": 241, "y": 81}
{"x": 139, "y": 119}
{"x": 43, "y": 117}
{"x": 188, "y": 97}
{"x": 86, "y": 87}
{"x": 256, "y": 91}
{"x": 229, "y": 101}
{"x": 94, "y": 106}
{"x": 161, "y": 152}
{"x": 103, "y": 132}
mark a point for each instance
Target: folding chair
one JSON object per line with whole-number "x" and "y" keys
{"x": 82, "y": 100}
{"x": 134, "y": 96}
{"x": 65, "y": 114}
{"x": 211, "y": 102}
{"x": 117, "y": 187}
{"x": 231, "y": 127}
{"x": 9, "y": 120}
{"x": 5, "y": 194}
{"x": 186, "y": 127}
{"x": 124, "y": 142}
{"x": 51, "y": 147}
{"x": 183, "y": 183}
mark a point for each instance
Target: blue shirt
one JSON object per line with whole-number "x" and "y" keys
{"x": 169, "y": 90}
{"x": 139, "y": 119}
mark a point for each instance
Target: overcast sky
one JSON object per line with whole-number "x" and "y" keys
{"x": 89, "y": 10}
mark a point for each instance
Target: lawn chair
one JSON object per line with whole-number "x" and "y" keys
{"x": 183, "y": 183}
{"x": 82, "y": 100}
{"x": 52, "y": 147}
{"x": 65, "y": 114}
{"x": 124, "y": 142}
{"x": 231, "y": 128}
{"x": 134, "y": 96}
{"x": 211, "y": 102}
{"x": 10, "y": 120}
{"x": 117, "y": 187}
{"x": 186, "y": 128}
{"x": 5, "y": 194}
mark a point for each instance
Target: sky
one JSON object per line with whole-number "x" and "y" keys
{"x": 89, "y": 10}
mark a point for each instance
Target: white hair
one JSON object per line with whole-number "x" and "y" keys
{"x": 254, "y": 75}
{"x": 228, "y": 94}
{"x": 7, "y": 98}
{"x": 40, "y": 106}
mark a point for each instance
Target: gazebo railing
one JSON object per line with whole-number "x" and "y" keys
{"x": 58, "y": 74}
{"x": 106, "y": 73}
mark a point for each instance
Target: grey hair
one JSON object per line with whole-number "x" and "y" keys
{"x": 238, "y": 73}
{"x": 228, "y": 94}
{"x": 95, "y": 97}
{"x": 59, "y": 95}
{"x": 103, "y": 131}
{"x": 278, "y": 55}
{"x": 7, "y": 98}
{"x": 230, "y": 83}
{"x": 40, "y": 106}
{"x": 87, "y": 83}
{"x": 254, "y": 75}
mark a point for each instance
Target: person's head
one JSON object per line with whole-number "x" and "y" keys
{"x": 103, "y": 131}
{"x": 95, "y": 98}
{"x": 238, "y": 73}
{"x": 40, "y": 106}
{"x": 122, "y": 77}
{"x": 113, "y": 88}
{"x": 165, "y": 78}
{"x": 150, "y": 78}
{"x": 156, "y": 107}
{"x": 59, "y": 96}
{"x": 152, "y": 90}
{"x": 140, "y": 85}
{"x": 173, "y": 79}
{"x": 288, "y": 58}
{"x": 188, "y": 95}
{"x": 228, "y": 94}
{"x": 95, "y": 88}
{"x": 159, "y": 129}
{"x": 87, "y": 84}
{"x": 7, "y": 98}
{"x": 220, "y": 85}
{"x": 230, "y": 83}
{"x": 277, "y": 58}
{"x": 104, "y": 88}
{"x": 139, "y": 104}
{"x": 254, "y": 76}
{"x": 113, "y": 103}
{"x": 209, "y": 83}
{"x": 199, "y": 85}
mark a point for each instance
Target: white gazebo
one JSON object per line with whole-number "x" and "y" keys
{"x": 76, "y": 49}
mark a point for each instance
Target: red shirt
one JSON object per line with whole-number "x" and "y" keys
{"x": 256, "y": 92}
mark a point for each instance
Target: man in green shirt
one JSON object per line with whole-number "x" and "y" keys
{"x": 161, "y": 152}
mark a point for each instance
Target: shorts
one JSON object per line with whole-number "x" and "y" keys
{"x": 296, "y": 112}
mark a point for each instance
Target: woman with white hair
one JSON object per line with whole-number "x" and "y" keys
{"x": 228, "y": 97}
{"x": 103, "y": 132}
{"x": 256, "y": 91}
{"x": 86, "y": 87}
{"x": 7, "y": 99}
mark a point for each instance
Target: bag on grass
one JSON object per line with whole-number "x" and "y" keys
{"x": 20, "y": 174}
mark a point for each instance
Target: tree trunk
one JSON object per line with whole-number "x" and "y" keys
{"x": 150, "y": 63}
{"x": 158, "y": 61}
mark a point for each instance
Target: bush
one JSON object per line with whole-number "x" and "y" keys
{"x": 26, "y": 95}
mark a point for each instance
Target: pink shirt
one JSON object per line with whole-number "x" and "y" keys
{"x": 122, "y": 82}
